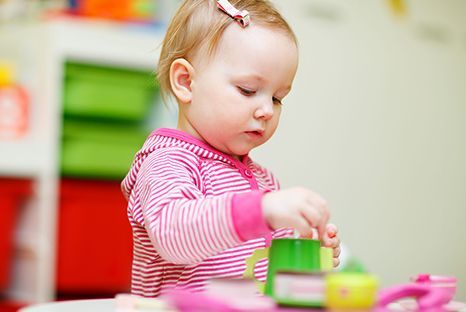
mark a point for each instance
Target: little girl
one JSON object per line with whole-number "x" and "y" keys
{"x": 198, "y": 205}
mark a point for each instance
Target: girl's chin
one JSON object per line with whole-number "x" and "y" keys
{"x": 239, "y": 150}
{"x": 238, "y": 153}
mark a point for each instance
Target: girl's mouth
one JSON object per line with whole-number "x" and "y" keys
{"x": 255, "y": 134}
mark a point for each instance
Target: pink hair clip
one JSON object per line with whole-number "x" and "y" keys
{"x": 242, "y": 17}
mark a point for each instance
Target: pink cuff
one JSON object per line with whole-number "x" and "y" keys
{"x": 246, "y": 212}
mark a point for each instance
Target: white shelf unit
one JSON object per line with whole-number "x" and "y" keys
{"x": 40, "y": 51}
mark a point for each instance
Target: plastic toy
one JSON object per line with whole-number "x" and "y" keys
{"x": 426, "y": 297}
{"x": 350, "y": 290}
{"x": 14, "y": 111}
{"x": 445, "y": 283}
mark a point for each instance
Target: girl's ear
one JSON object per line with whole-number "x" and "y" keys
{"x": 181, "y": 73}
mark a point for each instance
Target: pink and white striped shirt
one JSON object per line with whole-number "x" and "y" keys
{"x": 195, "y": 213}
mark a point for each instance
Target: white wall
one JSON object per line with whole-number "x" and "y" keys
{"x": 377, "y": 124}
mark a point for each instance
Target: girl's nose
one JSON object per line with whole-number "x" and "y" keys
{"x": 264, "y": 111}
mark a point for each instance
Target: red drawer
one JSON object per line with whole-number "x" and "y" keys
{"x": 12, "y": 192}
{"x": 94, "y": 238}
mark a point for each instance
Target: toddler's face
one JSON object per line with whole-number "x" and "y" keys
{"x": 237, "y": 93}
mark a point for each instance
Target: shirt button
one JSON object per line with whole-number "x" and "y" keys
{"x": 248, "y": 173}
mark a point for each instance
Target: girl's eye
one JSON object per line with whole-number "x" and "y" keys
{"x": 277, "y": 101}
{"x": 246, "y": 92}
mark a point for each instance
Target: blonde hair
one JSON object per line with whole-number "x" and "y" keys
{"x": 199, "y": 23}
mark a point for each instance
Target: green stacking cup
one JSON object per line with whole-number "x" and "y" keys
{"x": 285, "y": 254}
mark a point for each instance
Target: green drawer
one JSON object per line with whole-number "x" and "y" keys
{"x": 102, "y": 92}
{"x": 99, "y": 151}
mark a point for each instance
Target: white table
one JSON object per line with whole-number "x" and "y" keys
{"x": 108, "y": 305}
{"x": 92, "y": 305}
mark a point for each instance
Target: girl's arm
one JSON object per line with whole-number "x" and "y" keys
{"x": 186, "y": 226}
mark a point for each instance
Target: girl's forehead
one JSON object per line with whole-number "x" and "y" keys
{"x": 255, "y": 43}
{"x": 255, "y": 54}
{"x": 254, "y": 51}
{"x": 236, "y": 35}
{"x": 252, "y": 42}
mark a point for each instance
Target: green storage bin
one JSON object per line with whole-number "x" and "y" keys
{"x": 104, "y": 92}
{"x": 99, "y": 151}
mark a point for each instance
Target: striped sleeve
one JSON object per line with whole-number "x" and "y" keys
{"x": 185, "y": 227}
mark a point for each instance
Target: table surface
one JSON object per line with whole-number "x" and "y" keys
{"x": 92, "y": 305}
{"x": 109, "y": 305}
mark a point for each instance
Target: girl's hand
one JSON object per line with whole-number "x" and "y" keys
{"x": 331, "y": 240}
{"x": 298, "y": 208}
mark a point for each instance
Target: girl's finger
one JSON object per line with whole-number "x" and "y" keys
{"x": 335, "y": 242}
{"x": 313, "y": 218}
{"x": 331, "y": 242}
{"x": 303, "y": 228}
{"x": 336, "y": 251}
{"x": 332, "y": 230}
{"x": 317, "y": 203}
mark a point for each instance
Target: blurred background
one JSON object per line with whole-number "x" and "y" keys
{"x": 376, "y": 123}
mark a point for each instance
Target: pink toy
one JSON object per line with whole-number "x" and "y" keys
{"x": 432, "y": 292}
{"x": 186, "y": 301}
{"x": 446, "y": 284}
{"x": 428, "y": 298}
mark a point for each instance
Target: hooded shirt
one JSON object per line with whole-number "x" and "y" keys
{"x": 195, "y": 214}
